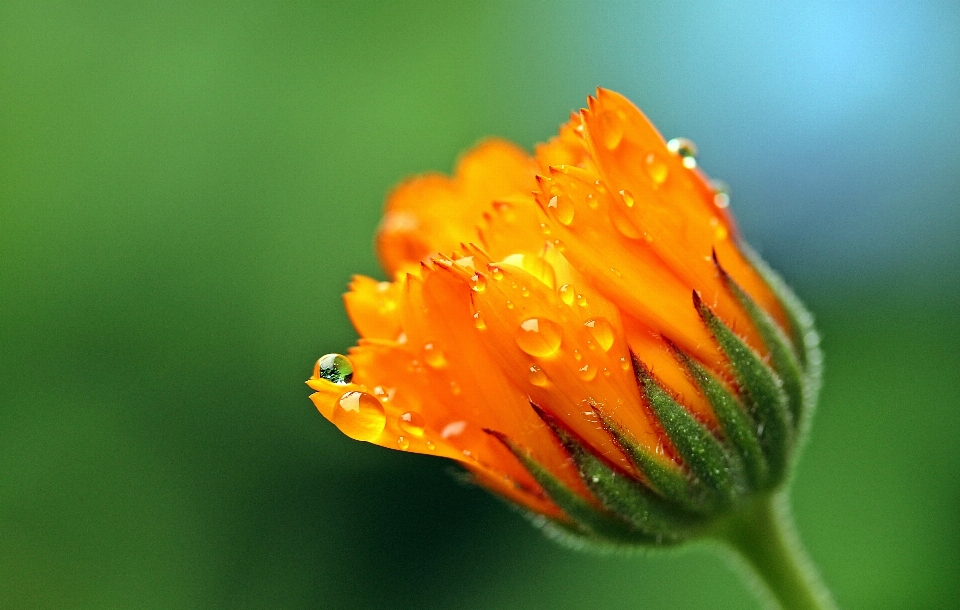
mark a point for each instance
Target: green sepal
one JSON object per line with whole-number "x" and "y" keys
{"x": 738, "y": 427}
{"x": 783, "y": 353}
{"x": 665, "y": 478}
{"x": 761, "y": 390}
{"x": 804, "y": 336}
{"x": 621, "y": 494}
{"x": 587, "y": 520}
{"x": 706, "y": 457}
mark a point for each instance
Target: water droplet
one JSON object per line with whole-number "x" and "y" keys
{"x": 624, "y": 364}
{"x": 606, "y": 372}
{"x": 431, "y": 446}
{"x": 620, "y": 216}
{"x": 721, "y": 196}
{"x": 611, "y": 129}
{"x": 478, "y": 322}
{"x": 509, "y": 304}
{"x": 656, "y": 169}
{"x": 587, "y": 372}
{"x": 686, "y": 149}
{"x": 562, "y": 208}
{"x": 537, "y": 376}
{"x": 602, "y": 331}
{"x": 592, "y": 201}
{"x": 559, "y": 245}
{"x": 567, "y": 294}
{"x": 581, "y": 300}
{"x": 433, "y": 356}
{"x": 335, "y": 368}
{"x": 616, "y": 272}
{"x": 478, "y": 282}
{"x": 412, "y": 423}
{"x": 524, "y": 291}
{"x": 496, "y": 272}
{"x": 545, "y": 228}
{"x": 359, "y": 415}
{"x": 539, "y": 337}
{"x": 403, "y": 443}
{"x": 453, "y": 429}
{"x": 577, "y": 355}
{"x": 455, "y": 388}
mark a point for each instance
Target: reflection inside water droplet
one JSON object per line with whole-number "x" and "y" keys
{"x": 335, "y": 368}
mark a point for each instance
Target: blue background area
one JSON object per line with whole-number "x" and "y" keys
{"x": 186, "y": 188}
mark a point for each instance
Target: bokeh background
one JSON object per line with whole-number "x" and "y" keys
{"x": 186, "y": 188}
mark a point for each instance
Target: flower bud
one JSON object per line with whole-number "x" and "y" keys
{"x": 584, "y": 331}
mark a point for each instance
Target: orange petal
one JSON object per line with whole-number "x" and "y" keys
{"x": 434, "y": 213}
{"x": 373, "y": 307}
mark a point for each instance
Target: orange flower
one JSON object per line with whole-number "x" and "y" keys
{"x": 589, "y": 307}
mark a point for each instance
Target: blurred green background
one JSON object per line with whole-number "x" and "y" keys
{"x": 186, "y": 188}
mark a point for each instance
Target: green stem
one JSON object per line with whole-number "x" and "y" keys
{"x": 764, "y": 536}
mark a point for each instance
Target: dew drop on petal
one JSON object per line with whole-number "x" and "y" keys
{"x": 537, "y": 376}
{"x": 627, "y": 198}
{"x": 624, "y": 364}
{"x": 592, "y": 201}
{"x": 581, "y": 300}
{"x": 721, "y": 193}
{"x": 562, "y": 208}
{"x": 433, "y": 356}
{"x": 478, "y": 282}
{"x": 587, "y": 372}
{"x": 656, "y": 168}
{"x": 455, "y": 428}
{"x": 619, "y": 216}
{"x": 577, "y": 355}
{"x": 431, "y": 446}
{"x": 686, "y": 149}
{"x": 359, "y": 415}
{"x": 335, "y": 368}
{"x": 412, "y": 423}
{"x": 602, "y": 331}
{"x": 567, "y": 294}
{"x": 496, "y": 272}
{"x": 403, "y": 443}
{"x": 478, "y": 322}
{"x": 455, "y": 388}
{"x": 539, "y": 337}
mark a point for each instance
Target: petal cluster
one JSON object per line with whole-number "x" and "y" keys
{"x": 582, "y": 329}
